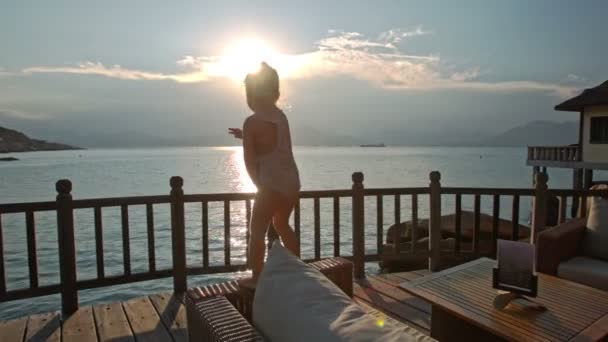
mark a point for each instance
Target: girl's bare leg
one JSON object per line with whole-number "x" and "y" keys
{"x": 261, "y": 215}
{"x": 282, "y": 227}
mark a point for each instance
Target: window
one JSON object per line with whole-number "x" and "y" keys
{"x": 599, "y": 130}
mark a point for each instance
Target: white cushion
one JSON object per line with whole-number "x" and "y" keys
{"x": 295, "y": 302}
{"x": 588, "y": 271}
{"x": 595, "y": 242}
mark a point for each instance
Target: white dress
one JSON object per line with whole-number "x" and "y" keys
{"x": 277, "y": 170}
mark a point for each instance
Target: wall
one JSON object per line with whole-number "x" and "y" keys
{"x": 593, "y": 152}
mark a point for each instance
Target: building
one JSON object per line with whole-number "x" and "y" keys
{"x": 591, "y": 152}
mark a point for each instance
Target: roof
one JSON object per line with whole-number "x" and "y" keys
{"x": 589, "y": 97}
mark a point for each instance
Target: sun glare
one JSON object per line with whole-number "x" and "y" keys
{"x": 245, "y": 57}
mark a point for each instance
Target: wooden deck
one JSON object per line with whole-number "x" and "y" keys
{"x": 383, "y": 294}
{"x": 162, "y": 317}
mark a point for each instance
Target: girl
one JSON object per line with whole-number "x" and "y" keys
{"x": 270, "y": 164}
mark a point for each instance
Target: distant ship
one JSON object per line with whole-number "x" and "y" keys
{"x": 373, "y": 145}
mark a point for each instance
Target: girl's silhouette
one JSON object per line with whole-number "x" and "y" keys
{"x": 270, "y": 163}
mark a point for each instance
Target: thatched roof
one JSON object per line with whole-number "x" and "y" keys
{"x": 589, "y": 97}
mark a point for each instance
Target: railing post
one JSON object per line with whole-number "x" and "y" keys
{"x": 435, "y": 221}
{"x": 358, "y": 225}
{"x": 67, "y": 247}
{"x": 539, "y": 212}
{"x": 178, "y": 234}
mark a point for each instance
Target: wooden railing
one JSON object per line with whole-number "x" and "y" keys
{"x": 554, "y": 153}
{"x": 64, "y": 207}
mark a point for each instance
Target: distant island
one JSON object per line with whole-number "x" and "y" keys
{"x": 534, "y": 133}
{"x": 14, "y": 141}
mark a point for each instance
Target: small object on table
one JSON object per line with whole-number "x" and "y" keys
{"x": 502, "y": 300}
{"x": 515, "y": 274}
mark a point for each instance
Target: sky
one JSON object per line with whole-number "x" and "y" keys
{"x": 349, "y": 68}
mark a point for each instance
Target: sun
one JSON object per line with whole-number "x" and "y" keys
{"x": 245, "y": 55}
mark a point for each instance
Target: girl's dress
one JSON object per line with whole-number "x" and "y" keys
{"x": 277, "y": 170}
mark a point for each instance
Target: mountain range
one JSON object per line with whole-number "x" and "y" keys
{"x": 529, "y": 134}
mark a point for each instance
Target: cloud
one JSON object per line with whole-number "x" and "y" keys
{"x": 4, "y": 73}
{"x": 19, "y": 114}
{"x": 572, "y": 78}
{"x": 396, "y": 35}
{"x": 383, "y": 62}
{"x": 116, "y": 71}
{"x": 507, "y": 87}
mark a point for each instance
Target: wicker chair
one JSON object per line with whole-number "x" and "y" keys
{"x": 222, "y": 312}
{"x": 558, "y": 244}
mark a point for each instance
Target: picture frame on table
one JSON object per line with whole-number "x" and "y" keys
{"x": 515, "y": 271}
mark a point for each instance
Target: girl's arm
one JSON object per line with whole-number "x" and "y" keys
{"x": 249, "y": 150}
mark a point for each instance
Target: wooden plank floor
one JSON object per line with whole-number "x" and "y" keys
{"x": 162, "y": 317}
{"x": 383, "y": 294}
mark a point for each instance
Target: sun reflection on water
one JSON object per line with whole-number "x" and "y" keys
{"x": 243, "y": 182}
{"x": 234, "y": 166}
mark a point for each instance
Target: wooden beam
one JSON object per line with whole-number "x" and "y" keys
{"x": 32, "y": 257}
{"x": 99, "y": 242}
{"x": 205, "y": 233}
{"x": 358, "y": 223}
{"x": 317, "y": 227}
{"x": 150, "y": 237}
{"x": 126, "y": 241}
{"x": 336, "y": 226}
{"x": 568, "y": 164}
{"x": 67, "y": 247}
{"x": 581, "y": 124}
{"x": 178, "y": 234}
{"x": 577, "y": 184}
{"x": 539, "y": 209}
{"x": 588, "y": 178}
{"x": 435, "y": 221}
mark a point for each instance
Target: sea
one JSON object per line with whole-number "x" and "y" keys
{"x": 98, "y": 173}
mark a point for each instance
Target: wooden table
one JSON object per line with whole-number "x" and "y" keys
{"x": 462, "y": 308}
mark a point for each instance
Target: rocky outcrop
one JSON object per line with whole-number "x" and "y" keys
{"x": 448, "y": 228}
{"x": 14, "y": 141}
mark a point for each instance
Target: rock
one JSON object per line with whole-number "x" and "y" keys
{"x": 448, "y": 229}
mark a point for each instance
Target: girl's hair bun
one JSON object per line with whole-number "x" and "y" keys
{"x": 264, "y": 82}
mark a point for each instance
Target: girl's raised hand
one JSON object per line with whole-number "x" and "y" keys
{"x": 236, "y": 132}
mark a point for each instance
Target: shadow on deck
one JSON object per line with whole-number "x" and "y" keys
{"x": 162, "y": 317}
